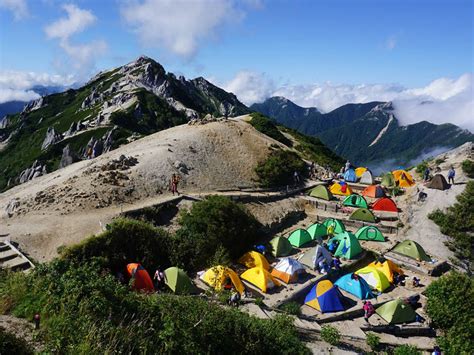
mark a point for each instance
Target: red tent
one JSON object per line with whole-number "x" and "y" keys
{"x": 385, "y": 204}
{"x": 142, "y": 280}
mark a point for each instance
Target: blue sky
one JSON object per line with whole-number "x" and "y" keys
{"x": 400, "y": 44}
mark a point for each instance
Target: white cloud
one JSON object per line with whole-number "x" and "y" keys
{"x": 251, "y": 87}
{"x": 17, "y": 85}
{"x": 443, "y": 100}
{"x": 391, "y": 43}
{"x": 179, "y": 26}
{"x": 19, "y": 8}
{"x": 81, "y": 56}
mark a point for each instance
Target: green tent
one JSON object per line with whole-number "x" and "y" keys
{"x": 363, "y": 214}
{"x": 388, "y": 180}
{"x": 370, "y": 233}
{"x": 317, "y": 231}
{"x": 396, "y": 311}
{"x": 280, "y": 246}
{"x": 177, "y": 280}
{"x": 299, "y": 237}
{"x": 349, "y": 247}
{"x": 355, "y": 200}
{"x": 321, "y": 191}
{"x": 412, "y": 250}
{"x": 337, "y": 225}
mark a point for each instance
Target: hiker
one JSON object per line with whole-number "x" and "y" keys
{"x": 416, "y": 282}
{"x": 426, "y": 175}
{"x": 368, "y": 310}
{"x": 336, "y": 262}
{"x": 174, "y": 183}
{"x": 422, "y": 196}
{"x": 159, "y": 278}
{"x": 37, "y": 320}
{"x": 323, "y": 267}
{"x": 436, "y": 350}
{"x": 398, "y": 279}
{"x": 354, "y": 276}
{"x": 451, "y": 175}
{"x": 340, "y": 175}
{"x": 234, "y": 298}
{"x": 348, "y": 166}
{"x": 332, "y": 247}
{"x": 89, "y": 153}
{"x": 330, "y": 230}
{"x": 296, "y": 177}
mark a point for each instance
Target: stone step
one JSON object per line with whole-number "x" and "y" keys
{"x": 17, "y": 263}
{"x": 4, "y": 247}
{"x": 7, "y": 255}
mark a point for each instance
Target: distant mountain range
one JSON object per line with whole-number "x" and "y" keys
{"x": 113, "y": 108}
{"x": 367, "y": 134}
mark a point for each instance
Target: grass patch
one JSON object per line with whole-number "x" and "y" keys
{"x": 278, "y": 169}
{"x": 468, "y": 168}
{"x": 268, "y": 127}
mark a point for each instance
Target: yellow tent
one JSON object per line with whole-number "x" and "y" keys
{"x": 338, "y": 189}
{"x": 388, "y": 267}
{"x": 374, "y": 277}
{"x": 360, "y": 171}
{"x": 253, "y": 259}
{"x": 261, "y": 278}
{"x": 403, "y": 178}
{"x": 217, "y": 276}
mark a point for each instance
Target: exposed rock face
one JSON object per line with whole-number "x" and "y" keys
{"x": 52, "y": 137}
{"x": 12, "y": 206}
{"x": 69, "y": 157}
{"x": 33, "y": 105}
{"x": 4, "y": 122}
{"x": 37, "y": 169}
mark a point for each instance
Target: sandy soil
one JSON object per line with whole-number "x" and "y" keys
{"x": 65, "y": 206}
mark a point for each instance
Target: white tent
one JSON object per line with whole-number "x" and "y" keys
{"x": 367, "y": 178}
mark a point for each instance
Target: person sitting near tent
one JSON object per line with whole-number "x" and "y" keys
{"x": 369, "y": 309}
{"x": 422, "y": 196}
{"x": 416, "y": 282}
{"x": 332, "y": 247}
{"x": 354, "y": 276}
{"x": 426, "y": 175}
{"x": 398, "y": 279}
{"x": 451, "y": 175}
{"x": 412, "y": 301}
{"x": 159, "y": 279}
{"x": 323, "y": 267}
{"x": 336, "y": 262}
{"x": 234, "y": 298}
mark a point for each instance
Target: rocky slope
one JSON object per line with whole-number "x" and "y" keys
{"x": 113, "y": 108}
{"x": 365, "y": 133}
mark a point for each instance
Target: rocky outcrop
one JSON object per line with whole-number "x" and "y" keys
{"x": 69, "y": 157}
{"x": 37, "y": 169}
{"x": 12, "y": 206}
{"x": 52, "y": 137}
{"x": 4, "y": 121}
{"x": 93, "y": 99}
{"x": 33, "y": 105}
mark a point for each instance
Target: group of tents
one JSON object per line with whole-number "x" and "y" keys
{"x": 364, "y": 176}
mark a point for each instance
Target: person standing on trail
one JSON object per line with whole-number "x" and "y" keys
{"x": 426, "y": 175}
{"x": 37, "y": 320}
{"x": 174, "y": 183}
{"x": 368, "y": 310}
{"x": 296, "y": 177}
{"x": 348, "y": 166}
{"x": 451, "y": 175}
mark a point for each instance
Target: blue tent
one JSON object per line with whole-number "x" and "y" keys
{"x": 324, "y": 297}
{"x": 350, "y": 175}
{"x": 359, "y": 288}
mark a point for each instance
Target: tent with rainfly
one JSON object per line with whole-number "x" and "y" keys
{"x": 374, "y": 277}
{"x": 218, "y": 275}
{"x": 350, "y": 175}
{"x": 280, "y": 246}
{"x": 438, "y": 182}
{"x": 412, "y": 250}
{"x": 141, "y": 278}
{"x": 360, "y": 170}
{"x": 367, "y": 178}
{"x": 355, "y": 286}
{"x": 317, "y": 231}
{"x": 371, "y": 233}
{"x": 260, "y": 278}
{"x": 299, "y": 237}
{"x": 388, "y": 180}
{"x": 322, "y": 192}
{"x": 355, "y": 200}
{"x": 288, "y": 270}
{"x": 324, "y": 297}
{"x": 334, "y": 226}
{"x": 374, "y": 191}
{"x": 388, "y": 267}
{"x": 312, "y": 257}
{"x": 348, "y": 245}
{"x": 396, "y": 311}
{"x": 403, "y": 178}
{"x": 340, "y": 188}
{"x": 254, "y": 259}
{"x": 385, "y": 204}
{"x": 363, "y": 214}
{"x": 178, "y": 281}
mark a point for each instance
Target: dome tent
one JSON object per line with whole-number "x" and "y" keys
{"x": 363, "y": 214}
{"x": 178, "y": 281}
{"x": 280, "y": 246}
{"x": 385, "y": 204}
{"x": 355, "y": 200}
{"x": 438, "y": 182}
{"x": 336, "y": 225}
{"x": 299, "y": 237}
{"x": 355, "y": 286}
{"x": 340, "y": 188}
{"x": 388, "y": 267}
{"x": 350, "y": 175}
{"x": 396, "y": 311}
{"x": 261, "y": 278}
{"x": 360, "y": 170}
{"x": 317, "y": 231}
{"x": 412, "y": 250}
{"x": 403, "y": 178}
{"x": 217, "y": 276}
{"x": 348, "y": 245}
{"x": 388, "y": 180}
{"x": 254, "y": 259}
{"x": 373, "y": 191}
{"x": 312, "y": 257}
{"x": 288, "y": 270}
{"x": 324, "y": 297}
{"x": 367, "y": 178}
{"x": 322, "y": 192}
{"x": 374, "y": 277}
{"x": 370, "y": 233}
{"x": 141, "y": 278}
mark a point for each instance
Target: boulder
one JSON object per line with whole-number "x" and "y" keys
{"x": 52, "y": 137}
{"x": 12, "y": 206}
{"x": 69, "y": 157}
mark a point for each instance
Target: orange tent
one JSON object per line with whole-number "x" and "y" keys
{"x": 403, "y": 178}
{"x": 373, "y": 191}
{"x": 385, "y": 204}
{"x": 142, "y": 280}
